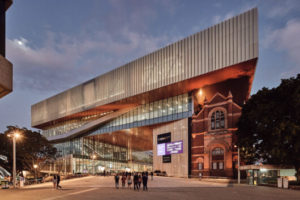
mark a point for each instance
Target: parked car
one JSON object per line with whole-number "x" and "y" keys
{"x": 156, "y": 172}
{"x": 160, "y": 173}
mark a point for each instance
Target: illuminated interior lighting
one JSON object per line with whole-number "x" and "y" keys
{"x": 199, "y": 93}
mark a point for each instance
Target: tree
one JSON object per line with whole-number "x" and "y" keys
{"x": 32, "y": 148}
{"x": 269, "y": 127}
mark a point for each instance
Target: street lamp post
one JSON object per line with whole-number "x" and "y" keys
{"x": 35, "y": 167}
{"x": 15, "y": 135}
{"x": 14, "y": 161}
{"x": 239, "y": 171}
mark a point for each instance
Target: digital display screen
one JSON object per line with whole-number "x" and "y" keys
{"x": 163, "y": 138}
{"x": 161, "y": 149}
{"x": 167, "y": 159}
{"x": 170, "y": 148}
{"x": 174, "y": 147}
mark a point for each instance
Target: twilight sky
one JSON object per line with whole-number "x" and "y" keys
{"x": 57, "y": 44}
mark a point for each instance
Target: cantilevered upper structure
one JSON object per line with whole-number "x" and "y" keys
{"x": 6, "y": 84}
{"x": 191, "y": 88}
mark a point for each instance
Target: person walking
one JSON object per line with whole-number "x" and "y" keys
{"x": 135, "y": 181}
{"x": 129, "y": 181}
{"x": 145, "y": 181}
{"x": 123, "y": 180}
{"x": 117, "y": 181}
{"x": 54, "y": 181}
{"x": 58, "y": 181}
{"x": 151, "y": 176}
{"x": 139, "y": 181}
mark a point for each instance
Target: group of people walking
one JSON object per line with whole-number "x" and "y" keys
{"x": 136, "y": 178}
{"x": 56, "y": 181}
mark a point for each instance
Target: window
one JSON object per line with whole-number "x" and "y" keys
{"x": 217, "y": 151}
{"x": 165, "y": 107}
{"x": 221, "y": 165}
{"x": 218, "y": 158}
{"x": 213, "y": 121}
{"x": 222, "y": 120}
{"x": 200, "y": 166}
{"x": 156, "y": 109}
{"x": 214, "y": 165}
{"x": 217, "y": 120}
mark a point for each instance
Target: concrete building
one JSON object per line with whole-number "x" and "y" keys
{"x": 173, "y": 110}
{"x": 6, "y": 84}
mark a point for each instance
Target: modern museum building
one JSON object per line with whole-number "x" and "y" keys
{"x": 174, "y": 110}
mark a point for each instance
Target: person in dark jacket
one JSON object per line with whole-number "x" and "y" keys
{"x": 135, "y": 181}
{"x": 58, "y": 181}
{"x": 145, "y": 181}
{"x": 139, "y": 181}
{"x": 117, "y": 181}
{"x": 123, "y": 179}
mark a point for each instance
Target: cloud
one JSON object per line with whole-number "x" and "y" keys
{"x": 63, "y": 61}
{"x": 286, "y": 39}
{"x": 218, "y": 18}
{"x": 102, "y": 43}
{"x": 281, "y": 8}
{"x": 243, "y": 8}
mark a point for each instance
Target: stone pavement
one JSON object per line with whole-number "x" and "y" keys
{"x": 160, "y": 188}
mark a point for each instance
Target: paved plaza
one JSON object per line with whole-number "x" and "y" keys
{"x": 160, "y": 188}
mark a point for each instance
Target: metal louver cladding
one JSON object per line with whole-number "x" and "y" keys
{"x": 228, "y": 43}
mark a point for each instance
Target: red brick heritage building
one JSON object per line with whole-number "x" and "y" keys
{"x": 213, "y": 137}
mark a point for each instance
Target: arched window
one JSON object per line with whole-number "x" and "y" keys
{"x": 200, "y": 163}
{"x": 222, "y": 120}
{"x": 217, "y": 120}
{"x": 213, "y": 119}
{"x": 217, "y": 151}
{"x": 218, "y": 158}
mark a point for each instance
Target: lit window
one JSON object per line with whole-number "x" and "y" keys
{"x": 221, "y": 165}
{"x": 217, "y": 120}
{"x": 213, "y": 121}
{"x": 218, "y": 158}
{"x": 222, "y": 121}
{"x": 214, "y": 165}
{"x": 200, "y": 166}
{"x": 218, "y": 151}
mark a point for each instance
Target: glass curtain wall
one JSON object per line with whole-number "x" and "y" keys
{"x": 113, "y": 153}
{"x": 69, "y": 125}
{"x": 89, "y": 155}
{"x": 164, "y": 110}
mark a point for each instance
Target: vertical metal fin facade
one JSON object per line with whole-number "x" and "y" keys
{"x": 228, "y": 43}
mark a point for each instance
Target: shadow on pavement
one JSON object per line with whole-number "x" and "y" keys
{"x": 47, "y": 188}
